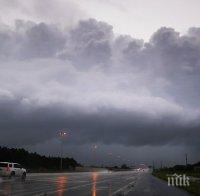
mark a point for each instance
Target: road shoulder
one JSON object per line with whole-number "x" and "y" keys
{"x": 148, "y": 185}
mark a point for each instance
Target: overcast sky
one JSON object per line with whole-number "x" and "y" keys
{"x": 123, "y": 75}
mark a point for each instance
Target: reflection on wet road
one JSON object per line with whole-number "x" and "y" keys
{"x": 62, "y": 184}
{"x": 92, "y": 184}
{"x": 87, "y": 184}
{"x": 94, "y": 180}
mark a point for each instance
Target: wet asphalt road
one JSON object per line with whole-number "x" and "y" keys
{"x": 89, "y": 184}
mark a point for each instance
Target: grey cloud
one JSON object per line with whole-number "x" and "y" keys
{"x": 53, "y": 79}
{"x": 179, "y": 63}
{"x": 194, "y": 32}
{"x": 6, "y": 40}
{"x": 39, "y": 103}
{"x": 127, "y": 50}
{"x": 90, "y": 42}
{"x": 30, "y": 40}
{"x": 106, "y": 125}
{"x": 177, "y": 51}
{"x": 165, "y": 37}
{"x": 42, "y": 41}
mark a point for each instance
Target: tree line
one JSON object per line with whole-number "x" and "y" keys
{"x": 35, "y": 161}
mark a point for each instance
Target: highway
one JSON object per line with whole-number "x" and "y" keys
{"x": 89, "y": 184}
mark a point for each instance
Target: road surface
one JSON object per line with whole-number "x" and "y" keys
{"x": 89, "y": 184}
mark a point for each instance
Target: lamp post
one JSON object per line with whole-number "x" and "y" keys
{"x": 62, "y": 134}
{"x": 94, "y": 149}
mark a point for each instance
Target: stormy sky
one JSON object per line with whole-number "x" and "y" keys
{"x": 129, "y": 86}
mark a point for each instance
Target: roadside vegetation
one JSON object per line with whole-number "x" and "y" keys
{"x": 35, "y": 162}
{"x": 192, "y": 171}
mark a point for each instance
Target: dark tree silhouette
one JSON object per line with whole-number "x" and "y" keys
{"x": 34, "y": 161}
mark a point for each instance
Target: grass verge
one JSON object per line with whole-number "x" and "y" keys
{"x": 194, "y": 187}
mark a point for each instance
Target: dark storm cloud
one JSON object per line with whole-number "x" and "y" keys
{"x": 107, "y": 125}
{"x": 180, "y": 63}
{"x": 177, "y": 52}
{"x": 147, "y": 95}
{"x": 90, "y": 42}
{"x": 42, "y": 41}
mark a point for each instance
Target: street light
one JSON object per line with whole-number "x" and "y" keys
{"x": 94, "y": 149}
{"x": 62, "y": 134}
{"x": 95, "y": 146}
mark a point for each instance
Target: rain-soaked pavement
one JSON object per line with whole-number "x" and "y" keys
{"x": 89, "y": 184}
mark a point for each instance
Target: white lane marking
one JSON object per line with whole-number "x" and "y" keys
{"x": 55, "y": 179}
{"x": 123, "y": 188}
{"x": 64, "y": 173}
{"x": 64, "y": 189}
{"x": 102, "y": 188}
{"x": 46, "y": 180}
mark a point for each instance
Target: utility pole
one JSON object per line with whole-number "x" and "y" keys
{"x": 61, "y": 155}
{"x": 186, "y": 159}
{"x": 161, "y": 165}
{"x": 153, "y": 166}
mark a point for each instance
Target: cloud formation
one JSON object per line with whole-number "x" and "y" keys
{"x": 90, "y": 41}
{"x": 105, "y": 88}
